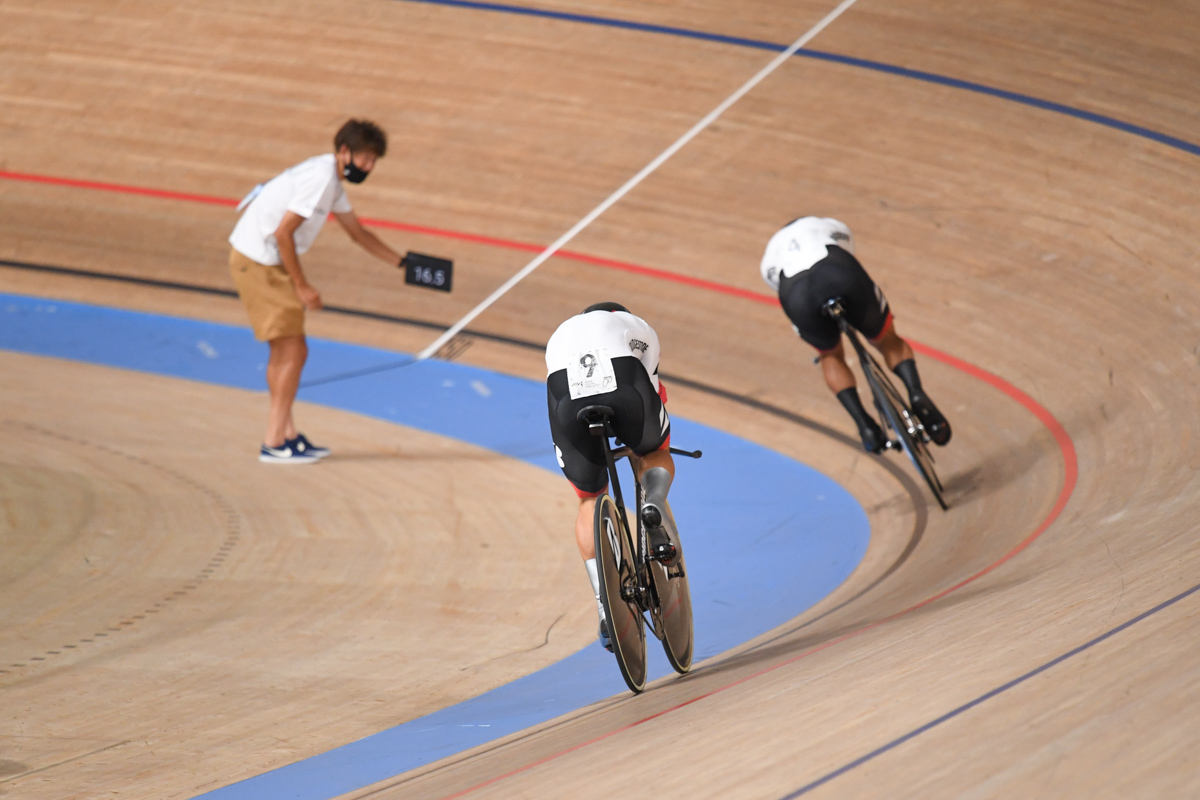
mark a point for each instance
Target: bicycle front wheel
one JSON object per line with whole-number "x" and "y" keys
{"x": 615, "y": 558}
{"x": 900, "y": 418}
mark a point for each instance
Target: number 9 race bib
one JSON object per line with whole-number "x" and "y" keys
{"x": 590, "y": 373}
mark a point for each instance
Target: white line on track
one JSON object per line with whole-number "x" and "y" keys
{"x": 712, "y": 116}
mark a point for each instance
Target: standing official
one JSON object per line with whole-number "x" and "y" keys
{"x": 282, "y": 219}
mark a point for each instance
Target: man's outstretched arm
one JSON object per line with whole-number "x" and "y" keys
{"x": 366, "y": 239}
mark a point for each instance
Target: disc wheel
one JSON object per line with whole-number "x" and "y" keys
{"x": 900, "y": 418}
{"x": 618, "y": 579}
{"x": 674, "y": 603}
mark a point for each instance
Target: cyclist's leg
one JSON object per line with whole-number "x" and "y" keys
{"x": 587, "y": 487}
{"x": 895, "y": 350}
{"x": 803, "y": 297}
{"x": 899, "y": 357}
{"x": 581, "y": 458}
{"x": 657, "y": 475}
{"x": 841, "y": 382}
{"x": 873, "y": 317}
{"x": 654, "y": 462}
{"x": 835, "y": 370}
{"x": 580, "y": 455}
{"x": 640, "y": 416}
{"x": 644, "y": 425}
{"x": 932, "y": 419}
{"x": 584, "y": 539}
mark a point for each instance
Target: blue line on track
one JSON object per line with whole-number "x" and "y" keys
{"x": 858, "y": 762}
{"x": 928, "y": 77}
{"x": 607, "y": 22}
{"x": 767, "y": 537}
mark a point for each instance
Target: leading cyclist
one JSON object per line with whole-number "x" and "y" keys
{"x": 607, "y": 356}
{"x": 811, "y": 260}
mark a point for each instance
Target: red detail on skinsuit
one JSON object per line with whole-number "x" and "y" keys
{"x": 888, "y": 322}
{"x": 587, "y": 495}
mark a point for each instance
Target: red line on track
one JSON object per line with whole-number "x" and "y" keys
{"x": 118, "y": 188}
{"x": 508, "y": 244}
{"x": 1066, "y": 446}
{"x": 573, "y": 255}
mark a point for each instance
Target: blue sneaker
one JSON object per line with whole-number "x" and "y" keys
{"x": 287, "y": 454}
{"x": 302, "y": 445}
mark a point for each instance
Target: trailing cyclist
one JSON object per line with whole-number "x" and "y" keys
{"x": 608, "y": 356}
{"x": 811, "y": 260}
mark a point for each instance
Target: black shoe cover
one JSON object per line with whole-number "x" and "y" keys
{"x": 657, "y": 538}
{"x": 931, "y": 419}
{"x": 873, "y": 438}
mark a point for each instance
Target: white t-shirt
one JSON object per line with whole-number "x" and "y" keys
{"x": 616, "y": 333}
{"x": 311, "y": 189}
{"x": 800, "y": 244}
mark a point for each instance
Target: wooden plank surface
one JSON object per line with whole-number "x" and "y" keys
{"x": 1054, "y": 252}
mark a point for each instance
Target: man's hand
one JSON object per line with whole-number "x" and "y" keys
{"x": 286, "y": 241}
{"x": 310, "y": 297}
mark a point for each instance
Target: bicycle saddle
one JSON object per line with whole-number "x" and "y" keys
{"x": 596, "y": 418}
{"x": 594, "y": 415}
{"x": 833, "y": 307}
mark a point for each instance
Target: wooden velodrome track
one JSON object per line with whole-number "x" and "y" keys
{"x": 177, "y": 618}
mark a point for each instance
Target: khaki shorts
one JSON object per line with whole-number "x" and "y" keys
{"x": 269, "y": 296}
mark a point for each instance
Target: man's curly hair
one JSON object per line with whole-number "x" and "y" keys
{"x": 360, "y": 135}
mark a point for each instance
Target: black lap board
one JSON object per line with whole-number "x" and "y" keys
{"x": 428, "y": 271}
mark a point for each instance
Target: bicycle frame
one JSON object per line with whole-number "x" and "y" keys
{"x": 634, "y": 586}
{"x": 602, "y": 428}
{"x": 913, "y": 439}
{"x": 641, "y": 560}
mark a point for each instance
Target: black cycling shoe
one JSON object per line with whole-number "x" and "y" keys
{"x": 659, "y": 542}
{"x": 931, "y": 419}
{"x": 873, "y": 438}
{"x": 604, "y": 639}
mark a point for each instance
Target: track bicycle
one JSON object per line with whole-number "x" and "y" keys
{"x": 636, "y": 590}
{"x": 911, "y": 436}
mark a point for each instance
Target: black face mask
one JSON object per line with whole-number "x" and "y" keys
{"x": 353, "y": 172}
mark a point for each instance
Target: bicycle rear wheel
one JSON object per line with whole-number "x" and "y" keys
{"x": 901, "y": 419}
{"x": 674, "y": 603}
{"x": 618, "y": 581}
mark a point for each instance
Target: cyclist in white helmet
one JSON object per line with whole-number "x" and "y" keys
{"x": 607, "y": 356}
{"x": 811, "y": 260}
